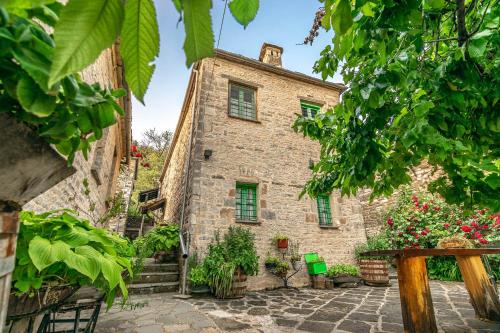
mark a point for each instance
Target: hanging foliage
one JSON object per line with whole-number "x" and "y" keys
{"x": 423, "y": 84}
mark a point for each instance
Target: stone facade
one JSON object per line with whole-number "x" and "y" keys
{"x": 266, "y": 152}
{"x": 102, "y": 168}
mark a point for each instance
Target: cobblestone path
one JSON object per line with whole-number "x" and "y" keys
{"x": 364, "y": 309}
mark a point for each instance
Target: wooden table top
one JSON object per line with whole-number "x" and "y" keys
{"x": 432, "y": 252}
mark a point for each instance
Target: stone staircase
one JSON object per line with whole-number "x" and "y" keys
{"x": 156, "y": 278}
{"x": 133, "y": 226}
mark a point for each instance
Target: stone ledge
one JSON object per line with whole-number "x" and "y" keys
{"x": 243, "y": 119}
{"x": 248, "y": 222}
{"x": 328, "y": 227}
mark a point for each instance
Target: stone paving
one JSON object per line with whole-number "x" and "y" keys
{"x": 363, "y": 309}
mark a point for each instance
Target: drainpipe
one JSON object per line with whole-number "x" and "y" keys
{"x": 183, "y": 244}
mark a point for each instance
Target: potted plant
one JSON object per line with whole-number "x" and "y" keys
{"x": 198, "y": 281}
{"x": 281, "y": 241}
{"x": 374, "y": 269}
{"x": 57, "y": 253}
{"x": 454, "y": 242}
{"x": 295, "y": 257}
{"x": 344, "y": 275}
{"x": 159, "y": 243}
{"x": 230, "y": 261}
{"x": 271, "y": 262}
{"x": 282, "y": 268}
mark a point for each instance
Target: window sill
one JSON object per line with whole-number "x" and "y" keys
{"x": 328, "y": 227}
{"x": 248, "y": 222}
{"x": 244, "y": 119}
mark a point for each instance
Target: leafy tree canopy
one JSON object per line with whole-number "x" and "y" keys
{"x": 423, "y": 84}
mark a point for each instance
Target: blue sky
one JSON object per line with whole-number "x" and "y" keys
{"x": 280, "y": 22}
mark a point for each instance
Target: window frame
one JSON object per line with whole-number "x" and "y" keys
{"x": 245, "y": 86}
{"x": 246, "y": 217}
{"x": 324, "y": 209}
{"x": 316, "y": 107}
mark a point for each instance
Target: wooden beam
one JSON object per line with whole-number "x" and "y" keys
{"x": 482, "y": 293}
{"x": 415, "y": 293}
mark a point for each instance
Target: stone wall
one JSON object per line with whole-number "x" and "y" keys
{"x": 373, "y": 212}
{"x": 102, "y": 167}
{"x": 268, "y": 153}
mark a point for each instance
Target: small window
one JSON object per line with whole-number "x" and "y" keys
{"x": 309, "y": 110}
{"x": 246, "y": 202}
{"x": 324, "y": 211}
{"x": 242, "y": 102}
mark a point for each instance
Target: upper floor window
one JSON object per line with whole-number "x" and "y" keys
{"x": 242, "y": 102}
{"x": 309, "y": 110}
{"x": 246, "y": 202}
{"x": 324, "y": 210}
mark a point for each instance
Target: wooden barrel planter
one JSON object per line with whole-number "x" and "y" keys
{"x": 374, "y": 272}
{"x": 239, "y": 288}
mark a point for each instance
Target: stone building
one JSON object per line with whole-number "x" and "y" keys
{"x": 235, "y": 160}
{"x": 107, "y": 158}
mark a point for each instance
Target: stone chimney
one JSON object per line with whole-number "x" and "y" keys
{"x": 271, "y": 54}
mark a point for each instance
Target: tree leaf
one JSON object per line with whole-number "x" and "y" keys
{"x": 140, "y": 44}
{"x": 110, "y": 270}
{"x": 33, "y": 99}
{"x": 342, "y": 17}
{"x": 84, "y": 30}
{"x": 199, "y": 41}
{"x": 85, "y": 260}
{"x": 43, "y": 253}
{"x": 178, "y": 5}
{"x": 477, "y": 47}
{"x": 244, "y": 11}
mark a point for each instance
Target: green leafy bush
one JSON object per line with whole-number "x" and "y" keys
{"x": 272, "y": 260}
{"x": 160, "y": 238}
{"x": 197, "y": 276}
{"x": 69, "y": 113}
{"x": 224, "y": 257}
{"x": 378, "y": 242}
{"x": 443, "y": 268}
{"x": 58, "y": 247}
{"x": 343, "y": 270}
{"x": 279, "y": 237}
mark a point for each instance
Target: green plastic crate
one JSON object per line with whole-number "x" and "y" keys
{"x": 316, "y": 268}
{"x": 311, "y": 257}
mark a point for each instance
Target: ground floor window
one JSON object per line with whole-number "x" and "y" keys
{"x": 324, "y": 210}
{"x": 246, "y": 202}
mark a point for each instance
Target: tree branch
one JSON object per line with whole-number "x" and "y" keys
{"x": 460, "y": 18}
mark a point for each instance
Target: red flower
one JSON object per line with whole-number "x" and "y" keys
{"x": 466, "y": 228}
{"x": 485, "y": 227}
{"x": 425, "y": 206}
{"x": 133, "y": 149}
{"x": 446, "y": 225}
{"x": 478, "y": 235}
{"x": 390, "y": 221}
{"x": 417, "y": 236}
{"x": 459, "y": 222}
{"x": 138, "y": 155}
{"x": 483, "y": 241}
{"x": 414, "y": 198}
{"x": 424, "y": 232}
{"x": 416, "y": 204}
{"x": 475, "y": 225}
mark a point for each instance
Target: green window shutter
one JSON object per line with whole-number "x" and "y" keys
{"x": 246, "y": 202}
{"x": 324, "y": 210}
{"x": 309, "y": 110}
{"x": 242, "y": 102}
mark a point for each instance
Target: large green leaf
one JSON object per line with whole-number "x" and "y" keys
{"x": 84, "y": 30}
{"x": 86, "y": 261}
{"x": 140, "y": 44}
{"x": 110, "y": 270}
{"x": 33, "y": 99}
{"x": 342, "y": 17}
{"x": 199, "y": 41}
{"x": 43, "y": 253}
{"x": 244, "y": 11}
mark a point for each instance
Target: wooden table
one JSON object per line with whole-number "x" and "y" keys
{"x": 415, "y": 294}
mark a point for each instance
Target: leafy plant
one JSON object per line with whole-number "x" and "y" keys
{"x": 343, "y": 270}
{"x": 67, "y": 112}
{"x": 58, "y": 247}
{"x": 378, "y": 242}
{"x": 280, "y": 237}
{"x": 294, "y": 249}
{"x": 282, "y": 267}
{"x": 240, "y": 246}
{"x": 272, "y": 260}
{"x": 219, "y": 269}
{"x": 443, "y": 269}
{"x": 197, "y": 276}
{"x": 411, "y": 69}
{"x": 160, "y": 238}
{"x": 86, "y": 28}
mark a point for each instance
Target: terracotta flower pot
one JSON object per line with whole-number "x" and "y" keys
{"x": 282, "y": 243}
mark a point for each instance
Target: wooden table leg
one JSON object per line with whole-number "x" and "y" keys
{"x": 415, "y": 294}
{"x": 482, "y": 293}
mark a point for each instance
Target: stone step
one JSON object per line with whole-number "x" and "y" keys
{"x": 153, "y": 288}
{"x": 154, "y": 277}
{"x": 154, "y": 268}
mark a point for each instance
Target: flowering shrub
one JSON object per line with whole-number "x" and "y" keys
{"x": 421, "y": 220}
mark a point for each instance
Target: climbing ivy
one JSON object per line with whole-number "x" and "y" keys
{"x": 422, "y": 84}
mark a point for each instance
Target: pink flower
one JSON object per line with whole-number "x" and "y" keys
{"x": 466, "y": 228}
{"x": 424, "y": 232}
{"x": 485, "y": 227}
{"x": 475, "y": 225}
{"x": 417, "y": 236}
{"x": 483, "y": 241}
{"x": 390, "y": 221}
{"x": 446, "y": 225}
{"x": 425, "y": 206}
{"x": 459, "y": 222}
{"x": 478, "y": 235}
